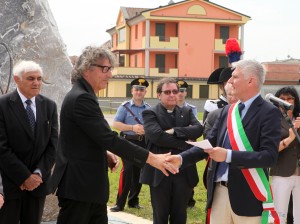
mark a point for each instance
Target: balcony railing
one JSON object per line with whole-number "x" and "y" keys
{"x": 159, "y": 42}
{"x": 155, "y": 72}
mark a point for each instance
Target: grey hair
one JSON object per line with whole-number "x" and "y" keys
{"x": 165, "y": 81}
{"x": 252, "y": 67}
{"x": 89, "y": 56}
{"x": 26, "y": 66}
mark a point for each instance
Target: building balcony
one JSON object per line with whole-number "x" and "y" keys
{"x": 154, "y": 72}
{"x": 170, "y": 73}
{"x": 128, "y": 71}
{"x": 157, "y": 42}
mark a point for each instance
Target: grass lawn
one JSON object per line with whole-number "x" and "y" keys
{"x": 196, "y": 215}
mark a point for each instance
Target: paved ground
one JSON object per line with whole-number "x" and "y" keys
{"x": 119, "y": 218}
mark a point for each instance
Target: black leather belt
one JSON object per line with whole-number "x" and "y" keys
{"x": 223, "y": 183}
{"x": 134, "y": 137}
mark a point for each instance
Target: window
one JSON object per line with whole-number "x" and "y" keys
{"x": 224, "y": 33}
{"x": 136, "y": 31}
{"x": 160, "y": 61}
{"x": 135, "y": 60}
{"x": 189, "y": 91}
{"x": 160, "y": 29}
{"x": 203, "y": 91}
{"x": 121, "y": 60}
{"x": 122, "y": 34}
{"x": 223, "y": 61}
{"x": 128, "y": 90}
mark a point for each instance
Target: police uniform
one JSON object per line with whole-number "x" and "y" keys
{"x": 129, "y": 113}
{"x": 182, "y": 87}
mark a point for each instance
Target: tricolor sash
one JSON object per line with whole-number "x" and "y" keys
{"x": 255, "y": 177}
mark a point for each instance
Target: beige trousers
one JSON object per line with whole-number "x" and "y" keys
{"x": 221, "y": 212}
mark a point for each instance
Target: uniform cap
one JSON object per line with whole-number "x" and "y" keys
{"x": 182, "y": 84}
{"x": 225, "y": 74}
{"x": 139, "y": 83}
{"x": 215, "y": 76}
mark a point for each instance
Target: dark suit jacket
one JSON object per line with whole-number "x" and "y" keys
{"x": 187, "y": 127}
{"x": 262, "y": 126}
{"x": 288, "y": 157}
{"x": 81, "y": 169}
{"x": 210, "y": 121}
{"x": 21, "y": 152}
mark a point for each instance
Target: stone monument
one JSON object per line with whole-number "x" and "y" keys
{"x": 28, "y": 31}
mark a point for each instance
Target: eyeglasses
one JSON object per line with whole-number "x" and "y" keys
{"x": 182, "y": 90}
{"x": 105, "y": 69}
{"x": 290, "y": 98}
{"x": 168, "y": 92}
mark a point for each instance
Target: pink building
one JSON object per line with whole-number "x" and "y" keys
{"x": 185, "y": 39}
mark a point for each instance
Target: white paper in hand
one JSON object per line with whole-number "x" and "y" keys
{"x": 205, "y": 144}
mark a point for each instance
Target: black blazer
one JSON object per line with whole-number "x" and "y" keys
{"x": 81, "y": 169}
{"x": 187, "y": 127}
{"x": 21, "y": 152}
{"x": 288, "y": 157}
{"x": 262, "y": 126}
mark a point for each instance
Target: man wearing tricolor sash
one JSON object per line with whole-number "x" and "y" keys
{"x": 245, "y": 139}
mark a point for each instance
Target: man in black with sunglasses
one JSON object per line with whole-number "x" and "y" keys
{"x": 167, "y": 127}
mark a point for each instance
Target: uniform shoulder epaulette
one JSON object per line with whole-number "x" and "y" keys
{"x": 211, "y": 105}
{"x": 125, "y": 102}
{"x": 190, "y": 105}
{"x": 147, "y": 104}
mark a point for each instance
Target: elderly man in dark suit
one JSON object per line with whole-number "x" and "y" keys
{"x": 80, "y": 174}
{"x": 28, "y": 139}
{"x": 167, "y": 128}
{"x": 233, "y": 197}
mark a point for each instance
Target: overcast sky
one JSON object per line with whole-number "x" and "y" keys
{"x": 273, "y": 32}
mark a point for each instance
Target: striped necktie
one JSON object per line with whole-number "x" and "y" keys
{"x": 30, "y": 115}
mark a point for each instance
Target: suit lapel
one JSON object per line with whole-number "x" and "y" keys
{"x": 40, "y": 116}
{"x": 253, "y": 109}
{"x": 19, "y": 111}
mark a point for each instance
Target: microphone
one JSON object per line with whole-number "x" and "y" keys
{"x": 279, "y": 102}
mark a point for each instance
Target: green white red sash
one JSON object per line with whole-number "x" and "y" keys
{"x": 255, "y": 177}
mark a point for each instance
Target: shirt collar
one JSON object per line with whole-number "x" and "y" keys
{"x": 248, "y": 103}
{"x": 23, "y": 98}
{"x": 132, "y": 103}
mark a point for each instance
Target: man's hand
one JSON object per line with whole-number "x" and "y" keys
{"x": 113, "y": 162}
{"x": 218, "y": 154}
{"x": 170, "y": 131}
{"x": 175, "y": 160}
{"x": 32, "y": 182}
{"x": 1, "y": 200}
{"x": 138, "y": 129}
{"x": 159, "y": 161}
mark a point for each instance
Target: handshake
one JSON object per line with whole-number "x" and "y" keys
{"x": 165, "y": 162}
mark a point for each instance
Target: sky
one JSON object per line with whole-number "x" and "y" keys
{"x": 273, "y": 33}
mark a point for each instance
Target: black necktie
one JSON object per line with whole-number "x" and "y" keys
{"x": 226, "y": 144}
{"x": 30, "y": 115}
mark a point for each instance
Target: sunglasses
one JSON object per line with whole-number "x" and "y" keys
{"x": 168, "y": 92}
